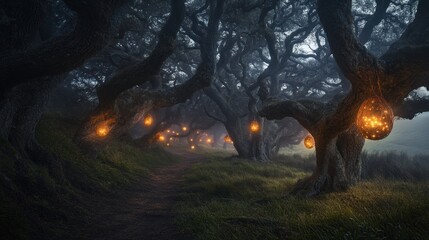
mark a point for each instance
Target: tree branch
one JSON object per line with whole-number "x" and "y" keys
{"x": 411, "y": 108}
{"x": 142, "y": 71}
{"x": 351, "y": 56}
{"x": 306, "y": 112}
{"x": 64, "y": 53}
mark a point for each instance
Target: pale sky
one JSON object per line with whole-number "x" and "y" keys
{"x": 409, "y": 136}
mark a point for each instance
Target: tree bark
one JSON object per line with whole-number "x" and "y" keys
{"x": 23, "y": 109}
{"x": 338, "y": 164}
{"x": 254, "y": 146}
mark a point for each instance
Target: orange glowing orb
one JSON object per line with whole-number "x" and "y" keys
{"x": 168, "y": 130}
{"x": 254, "y": 126}
{"x": 161, "y": 138}
{"x": 375, "y": 118}
{"x": 227, "y": 139}
{"x": 192, "y": 147}
{"x": 102, "y": 130}
{"x": 209, "y": 140}
{"x": 309, "y": 141}
{"x": 148, "y": 120}
{"x": 184, "y": 129}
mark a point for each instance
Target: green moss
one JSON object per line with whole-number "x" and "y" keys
{"x": 238, "y": 199}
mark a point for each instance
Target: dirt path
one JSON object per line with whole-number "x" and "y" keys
{"x": 146, "y": 212}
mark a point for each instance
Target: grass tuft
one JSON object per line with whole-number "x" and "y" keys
{"x": 227, "y": 198}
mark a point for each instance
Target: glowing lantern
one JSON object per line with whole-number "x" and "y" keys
{"x": 254, "y": 126}
{"x": 102, "y": 130}
{"x": 227, "y": 139}
{"x": 309, "y": 141}
{"x": 148, "y": 120}
{"x": 184, "y": 129}
{"x": 168, "y": 144}
{"x": 168, "y": 130}
{"x": 375, "y": 119}
{"x": 161, "y": 138}
{"x": 191, "y": 139}
{"x": 209, "y": 140}
{"x": 192, "y": 147}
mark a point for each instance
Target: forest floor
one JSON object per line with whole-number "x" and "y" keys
{"x": 145, "y": 211}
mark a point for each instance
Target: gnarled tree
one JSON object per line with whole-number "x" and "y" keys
{"x": 122, "y": 103}
{"x": 394, "y": 75}
{"x": 32, "y": 53}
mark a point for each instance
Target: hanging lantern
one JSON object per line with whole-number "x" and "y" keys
{"x": 148, "y": 120}
{"x": 184, "y": 128}
{"x": 192, "y": 147}
{"x": 309, "y": 141}
{"x": 102, "y": 130}
{"x": 209, "y": 140}
{"x": 161, "y": 138}
{"x": 227, "y": 139}
{"x": 254, "y": 126}
{"x": 375, "y": 119}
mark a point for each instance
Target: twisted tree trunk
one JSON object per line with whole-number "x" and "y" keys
{"x": 256, "y": 146}
{"x": 25, "y": 85}
{"x": 399, "y": 71}
{"x": 338, "y": 164}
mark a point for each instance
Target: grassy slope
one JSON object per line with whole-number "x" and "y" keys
{"x": 52, "y": 209}
{"x": 238, "y": 199}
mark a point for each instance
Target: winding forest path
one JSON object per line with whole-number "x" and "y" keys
{"x": 146, "y": 211}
